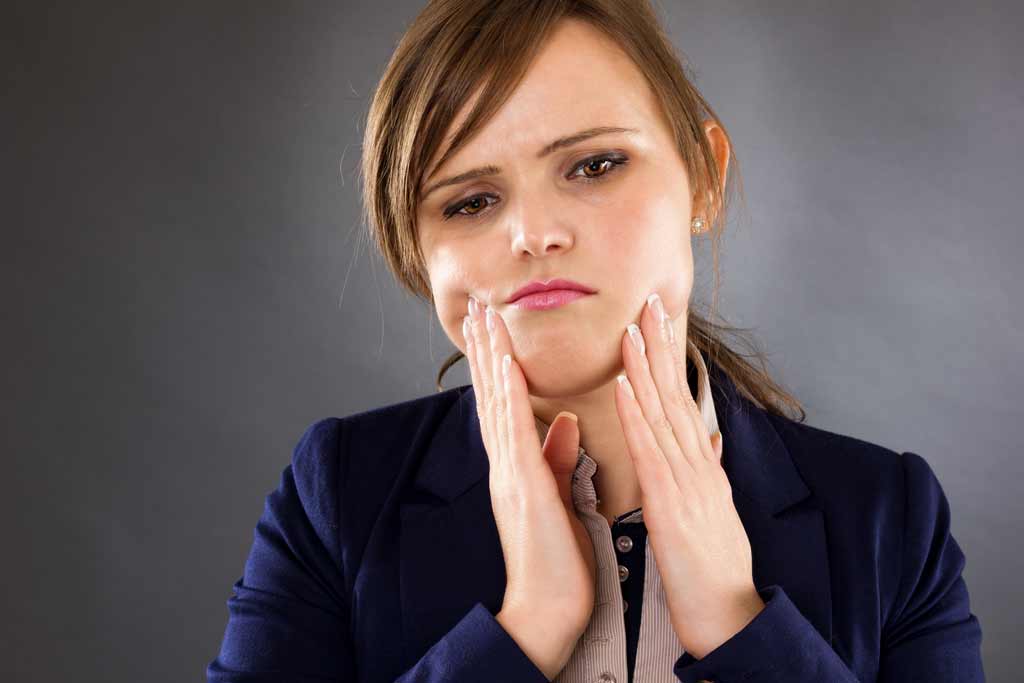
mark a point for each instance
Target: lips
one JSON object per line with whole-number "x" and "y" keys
{"x": 557, "y": 283}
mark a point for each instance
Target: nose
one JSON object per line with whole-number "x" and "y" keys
{"x": 538, "y": 240}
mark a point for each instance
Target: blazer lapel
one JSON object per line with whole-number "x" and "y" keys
{"x": 450, "y": 551}
{"x": 787, "y": 541}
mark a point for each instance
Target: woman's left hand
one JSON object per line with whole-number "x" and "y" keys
{"x": 699, "y": 543}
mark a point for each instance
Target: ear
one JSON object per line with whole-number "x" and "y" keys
{"x": 720, "y": 149}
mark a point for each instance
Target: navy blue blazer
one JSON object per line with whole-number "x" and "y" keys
{"x": 378, "y": 559}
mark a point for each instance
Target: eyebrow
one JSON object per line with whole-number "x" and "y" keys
{"x": 560, "y": 143}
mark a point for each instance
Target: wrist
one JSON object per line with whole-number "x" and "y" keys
{"x": 733, "y": 619}
{"x": 548, "y": 649}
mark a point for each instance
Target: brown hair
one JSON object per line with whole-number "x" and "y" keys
{"x": 453, "y": 48}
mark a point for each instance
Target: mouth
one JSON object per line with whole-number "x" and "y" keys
{"x": 558, "y": 289}
{"x": 550, "y": 298}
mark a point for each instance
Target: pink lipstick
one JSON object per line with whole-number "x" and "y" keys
{"x": 540, "y": 295}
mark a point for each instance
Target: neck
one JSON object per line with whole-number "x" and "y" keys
{"x": 602, "y": 437}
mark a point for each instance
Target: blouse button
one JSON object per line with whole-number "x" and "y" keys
{"x": 606, "y": 677}
{"x": 624, "y": 544}
{"x": 623, "y": 573}
{"x": 625, "y": 605}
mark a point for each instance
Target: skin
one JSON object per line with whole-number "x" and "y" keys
{"x": 625, "y": 234}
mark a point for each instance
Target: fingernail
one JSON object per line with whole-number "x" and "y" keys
{"x": 664, "y": 324}
{"x": 472, "y": 306}
{"x": 654, "y": 301}
{"x": 490, "y": 319}
{"x": 624, "y": 381}
{"x": 636, "y": 337}
{"x": 467, "y": 331}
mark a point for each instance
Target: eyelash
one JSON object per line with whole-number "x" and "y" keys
{"x": 616, "y": 160}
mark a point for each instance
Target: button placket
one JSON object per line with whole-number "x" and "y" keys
{"x": 651, "y": 662}
{"x": 604, "y": 639}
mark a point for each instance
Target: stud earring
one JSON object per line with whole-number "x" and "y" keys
{"x": 697, "y": 225}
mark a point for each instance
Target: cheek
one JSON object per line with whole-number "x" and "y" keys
{"x": 451, "y": 281}
{"x": 450, "y": 315}
{"x": 648, "y": 239}
{"x": 649, "y": 236}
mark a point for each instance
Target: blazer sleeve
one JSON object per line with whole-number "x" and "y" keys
{"x": 289, "y": 617}
{"x": 929, "y": 634}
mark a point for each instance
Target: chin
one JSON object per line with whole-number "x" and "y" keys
{"x": 555, "y": 376}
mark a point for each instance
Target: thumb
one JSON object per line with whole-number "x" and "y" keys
{"x": 561, "y": 450}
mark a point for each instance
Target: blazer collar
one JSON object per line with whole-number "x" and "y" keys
{"x": 754, "y": 457}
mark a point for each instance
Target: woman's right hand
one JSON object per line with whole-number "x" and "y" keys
{"x": 549, "y": 558}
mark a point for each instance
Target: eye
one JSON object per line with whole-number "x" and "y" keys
{"x": 594, "y": 170}
{"x": 604, "y": 165}
{"x": 476, "y": 202}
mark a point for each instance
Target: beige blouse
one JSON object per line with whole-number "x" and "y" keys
{"x": 600, "y": 654}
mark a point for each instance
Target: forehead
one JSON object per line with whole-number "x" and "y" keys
{"x": 580, "y": 79}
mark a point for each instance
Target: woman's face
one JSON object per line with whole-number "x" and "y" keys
{"x": 611, "y": 212}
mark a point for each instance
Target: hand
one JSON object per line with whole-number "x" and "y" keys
{"x": 550, "y": 565}
{"x": 698, "y": 540}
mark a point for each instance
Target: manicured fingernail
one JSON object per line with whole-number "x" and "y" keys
{"x": 624, "y": 381}
{"x": 636, "y": 337}
{"x": 506, "y": 363}
{"x": 467, "y": 331}
{"x": 664, "y": 324}
{"x": 654, "y": 301}
{"x": 472, "y": 308}
{"x": 490, "y": 319}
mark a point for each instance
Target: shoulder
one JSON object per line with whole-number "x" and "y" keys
{"x": 343, "y": 469}
{"x": 849, "y": 471}
{"x": 881, "y": 506}
{"x": 841, "y": 470}
{"x": 867, "y": 478}
{"x": 367, "y": 444}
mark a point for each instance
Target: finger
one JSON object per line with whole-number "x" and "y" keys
{"x": 519, "y": 419}
{"x": 668, "y": 370}
{"x": 638, "y": 373}
{"x": 677, "y": 402}
{"x": 716, "y": 443}
{"x": 523, "y": 438}
{"x": 657, "y": 482}
{"x": 501, "y": 402}
{"x": 700, "y": 424}
{"x": 474, "y": 373}
{"x": 485, "y": 382}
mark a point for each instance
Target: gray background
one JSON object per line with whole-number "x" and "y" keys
{"x": 185, "y": 288}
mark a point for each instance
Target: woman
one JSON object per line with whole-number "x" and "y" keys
{"x": 531, "y": 169}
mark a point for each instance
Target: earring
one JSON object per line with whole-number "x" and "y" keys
{"x": 697, "y": 225}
